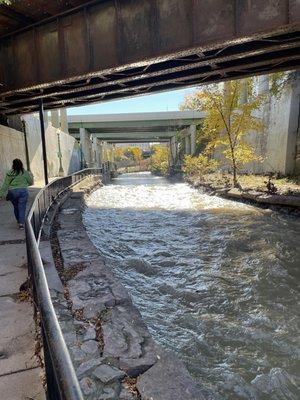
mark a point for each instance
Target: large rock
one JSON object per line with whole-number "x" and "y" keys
{"x": 107, "y": 373}
{"x": 168, "y": 379}
{"x": 88, "y": 386}
{"x": 126, "y": 337}
{"x": 89, "y": 366}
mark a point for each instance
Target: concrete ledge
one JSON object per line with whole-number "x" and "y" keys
{"x": 253, "y": 196}
{"x": 279, "y": 200}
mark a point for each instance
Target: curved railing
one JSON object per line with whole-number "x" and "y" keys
{"x": 62, "y": 383}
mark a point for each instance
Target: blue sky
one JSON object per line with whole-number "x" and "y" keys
{"x": 165, "y": 101}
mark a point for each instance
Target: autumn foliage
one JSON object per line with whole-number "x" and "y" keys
{"x": 229, "y": 118}
{"x": 160, "y": 160}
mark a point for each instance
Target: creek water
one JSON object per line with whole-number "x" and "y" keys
{"x": 216, "y": 281}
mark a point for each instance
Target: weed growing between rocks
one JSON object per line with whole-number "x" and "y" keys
{"x": 78, "y": 314}
{"x": 70, "y": 273}
{"x": 25, "y": 296}
{"x": 56, "y": 249}
{"x": 99, "y": 333}
{"x": 130, "y": 385}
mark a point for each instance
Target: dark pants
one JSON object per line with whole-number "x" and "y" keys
{"x": 19, "y": 198}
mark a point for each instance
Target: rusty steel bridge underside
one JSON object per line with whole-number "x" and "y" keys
{"x": 69, "y": 53}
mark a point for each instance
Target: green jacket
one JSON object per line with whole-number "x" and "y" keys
{"x": 13, "y": 181}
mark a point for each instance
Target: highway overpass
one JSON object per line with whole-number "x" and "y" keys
{"x": 98, "y": 133}
{"x": 133, "y": 127}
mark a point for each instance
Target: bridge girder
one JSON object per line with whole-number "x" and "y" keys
{"x": 111, "y": 49}
{"x": 129, "y": 136}
{"x": 151, "y": 126}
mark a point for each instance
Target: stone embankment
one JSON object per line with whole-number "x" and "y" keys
{"x": 278, "y": 201}
{"x": 113, "y": 352}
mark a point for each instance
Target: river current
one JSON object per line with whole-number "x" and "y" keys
{"x": 216, "y": 281}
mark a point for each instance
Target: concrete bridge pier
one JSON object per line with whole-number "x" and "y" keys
{"x": 190, "y": 140}
{"x": 105, "y": 152}
{"x": 192, "y": 132}
{"x": 112, "y": 153}
{"x": 187, "y": 144}
{"x": 173, "y": 150}
{"x": 86, "y": 146}
{"x": 101, "y": 152}
{"x": 263, "y": 84}
{"x": 59, "y": 119}
{"x": 244, "y": 93}
{"x": 63, "y": 120}
{"x": 96, "y": 152}
{"x": 54, "y": 118}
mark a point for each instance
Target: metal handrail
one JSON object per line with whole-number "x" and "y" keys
{"x": 62, "y": 382}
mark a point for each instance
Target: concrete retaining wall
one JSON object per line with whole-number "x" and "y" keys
{"x": 278, "y": 143}
{"x": 12, "y": 146}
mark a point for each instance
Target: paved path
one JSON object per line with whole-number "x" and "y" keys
{"x": 20, "y": 375}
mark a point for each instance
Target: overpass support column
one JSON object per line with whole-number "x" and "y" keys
{"x": 105, "y": 152}
{"x": 101, "y": 159}
{"x": 173, "y": 150}
{"x": 112, "y": 152}
{"x": 187, "y": 144}
{"x": 265, "y": 109}
{"x": 192, "y": 131}
{"x": 64, "y": 120}
{"x": 96, "y": 155}
{"x": 55, "y": 118}
{"x": 86, "y": 145}
{"x": 244, "y": 93}
{"x": 263, "y": 84}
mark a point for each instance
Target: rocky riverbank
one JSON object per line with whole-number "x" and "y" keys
{"x": 113, "y": 352}
{"x": 284, "y": 202}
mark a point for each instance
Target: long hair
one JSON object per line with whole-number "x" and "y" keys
{"x": 17, "y": 166}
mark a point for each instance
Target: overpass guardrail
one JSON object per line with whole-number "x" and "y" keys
{"x": 62, "y": 382}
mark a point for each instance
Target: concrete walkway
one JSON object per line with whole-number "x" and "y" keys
{"x": 20, "y": 375}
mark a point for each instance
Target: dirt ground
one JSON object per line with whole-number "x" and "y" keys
{"x": 287, "y": 186}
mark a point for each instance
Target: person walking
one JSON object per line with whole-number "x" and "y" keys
{"x": 16, "y": 185}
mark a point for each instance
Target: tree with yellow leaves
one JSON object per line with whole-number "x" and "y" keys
{"x": 160, "y": 160}
{"x": 120, "y": 154}
{"x": 137, "y": 153}
{"x": 228, "y": 120}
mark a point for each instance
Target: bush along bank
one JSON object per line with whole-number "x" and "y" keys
{"x": 279, "y": 194}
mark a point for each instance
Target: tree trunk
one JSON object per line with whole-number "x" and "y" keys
{"x": 235, "y": 181}
{"x": 234, "y": 169}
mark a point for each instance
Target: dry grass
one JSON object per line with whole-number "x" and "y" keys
{"x": 24, "y": 296}
{"x": 70, "y": 273}
{"x": 130, "y": 385}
